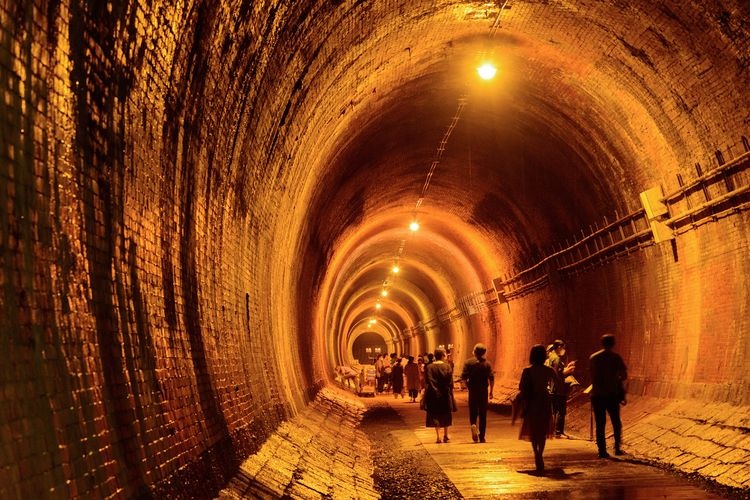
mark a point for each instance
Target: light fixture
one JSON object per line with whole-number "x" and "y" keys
{"x": 384, "y": 293}
{"x": 395, "y": 269}
{"x": 487, "y": 71}
{"x": 414, "y": 226}
{"x": 378, "y": 306}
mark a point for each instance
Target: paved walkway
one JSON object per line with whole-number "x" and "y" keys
{"x": 504, "y": 466}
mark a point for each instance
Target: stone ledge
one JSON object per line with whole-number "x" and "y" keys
{"x": 320, "y": 453}
{"x": 708, "y": 439}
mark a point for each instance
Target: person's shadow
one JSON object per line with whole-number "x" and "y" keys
{"x": 557, "y": 473}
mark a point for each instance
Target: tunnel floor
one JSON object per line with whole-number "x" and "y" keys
{"x": 503, "y": 467}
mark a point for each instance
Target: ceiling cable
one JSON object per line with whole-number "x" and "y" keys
{"x": 439, "y": 152}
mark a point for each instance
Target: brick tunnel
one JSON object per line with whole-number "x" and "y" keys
{"x": 201, "y": 204}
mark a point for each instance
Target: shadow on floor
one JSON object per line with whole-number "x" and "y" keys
{"x": 554, "y": 473}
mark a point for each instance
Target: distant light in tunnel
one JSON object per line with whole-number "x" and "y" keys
{"x": 414, "y": 226}
{"x": 487, "y": 71}
{"x": 395, "y": 269}
{"x": 384, "y": 293}
{"x": 378, "y": 306}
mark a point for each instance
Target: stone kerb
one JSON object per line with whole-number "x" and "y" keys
{"x": 709, "y": 439}
{"x": 320, "y": 453}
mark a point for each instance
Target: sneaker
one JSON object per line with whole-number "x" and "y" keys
{"x": 474, "y": 433}
{"x": 603, "y": 454}
{"x": 562, "y": 435}
{"x": 481, "y": 440}
{"x": 619, "y": 452}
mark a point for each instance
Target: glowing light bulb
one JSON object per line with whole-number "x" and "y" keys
{"x": 384, "y": 293}
{"x": 395, "y": 269}
{"x": 414, "y": 226}
{"x": 487, "y": 71}
{"x": 378, "y": 306}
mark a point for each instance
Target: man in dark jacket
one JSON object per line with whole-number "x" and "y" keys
{"x": 608, "y": 374}
{"x": 557, "y": 360}
{"x": 478, "y": 376}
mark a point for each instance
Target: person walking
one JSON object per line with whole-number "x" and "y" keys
{"x": 535, "y": 394}
{"x": 558, "y": 361}
{"x": 608, "y": 376}
{"x": 397, "y": 379}
{"x": 438, "y": 396}
{"x": 420, "y": 365}
{"x": 413, "y": 382}
{"x": 478, "y": 376}
{"x": 379, "y": 376}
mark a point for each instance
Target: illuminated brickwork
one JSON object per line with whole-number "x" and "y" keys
{"x": 198, "y": 202}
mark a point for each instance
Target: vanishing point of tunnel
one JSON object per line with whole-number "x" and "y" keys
{"x": 201, "y": 204}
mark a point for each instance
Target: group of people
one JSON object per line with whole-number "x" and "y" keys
{"x": 543, "y": 392}
{"x": 544, "y": 388}
{"x": 439, "y": 402}
{"x": 395, "y": 374}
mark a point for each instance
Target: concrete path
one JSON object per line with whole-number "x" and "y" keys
{"x": 504, "y": 466}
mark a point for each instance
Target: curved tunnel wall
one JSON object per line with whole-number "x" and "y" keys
{"x": 176, "y": 180}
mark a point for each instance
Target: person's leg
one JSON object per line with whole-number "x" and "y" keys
{"x": 437, "y": 431}
{"x": 473, "y": 413}
{"x": 473, "y": 409}
{"x": 613, "y": 408}
{"x": 482, "y": 414}
{"x": 542, "y": 442}
{"x": 536, "y": 447}
{"x": 562, "y": 409}
{"x": 600, "y": 419}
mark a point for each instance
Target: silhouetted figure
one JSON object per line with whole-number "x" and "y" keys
{"x": 420, "y": 365}
{"x": 608, "y": 375}
{"x": 537, "y": 384}
{"x": 557, "y": 360}
{"x": 379, "y": 367}
{"x": 438, "y": 396}
{"x": 478, "y": 376}
{"x": 397, "y": 378}
{"x": 413, "y": 379}
{"x": 430, "y": 359}
{"x": 387, "y": 371}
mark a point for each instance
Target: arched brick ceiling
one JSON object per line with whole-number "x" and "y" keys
{"x": 586, "y": 111}
{"x": 202, "y": 199}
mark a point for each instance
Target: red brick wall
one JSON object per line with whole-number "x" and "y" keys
{"x": 137, "y": 351}
{"x": 155, "y": 237}
{"x": 680, "y": 317}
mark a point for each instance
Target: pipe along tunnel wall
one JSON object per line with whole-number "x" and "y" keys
{"x": 199, "y": 203}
